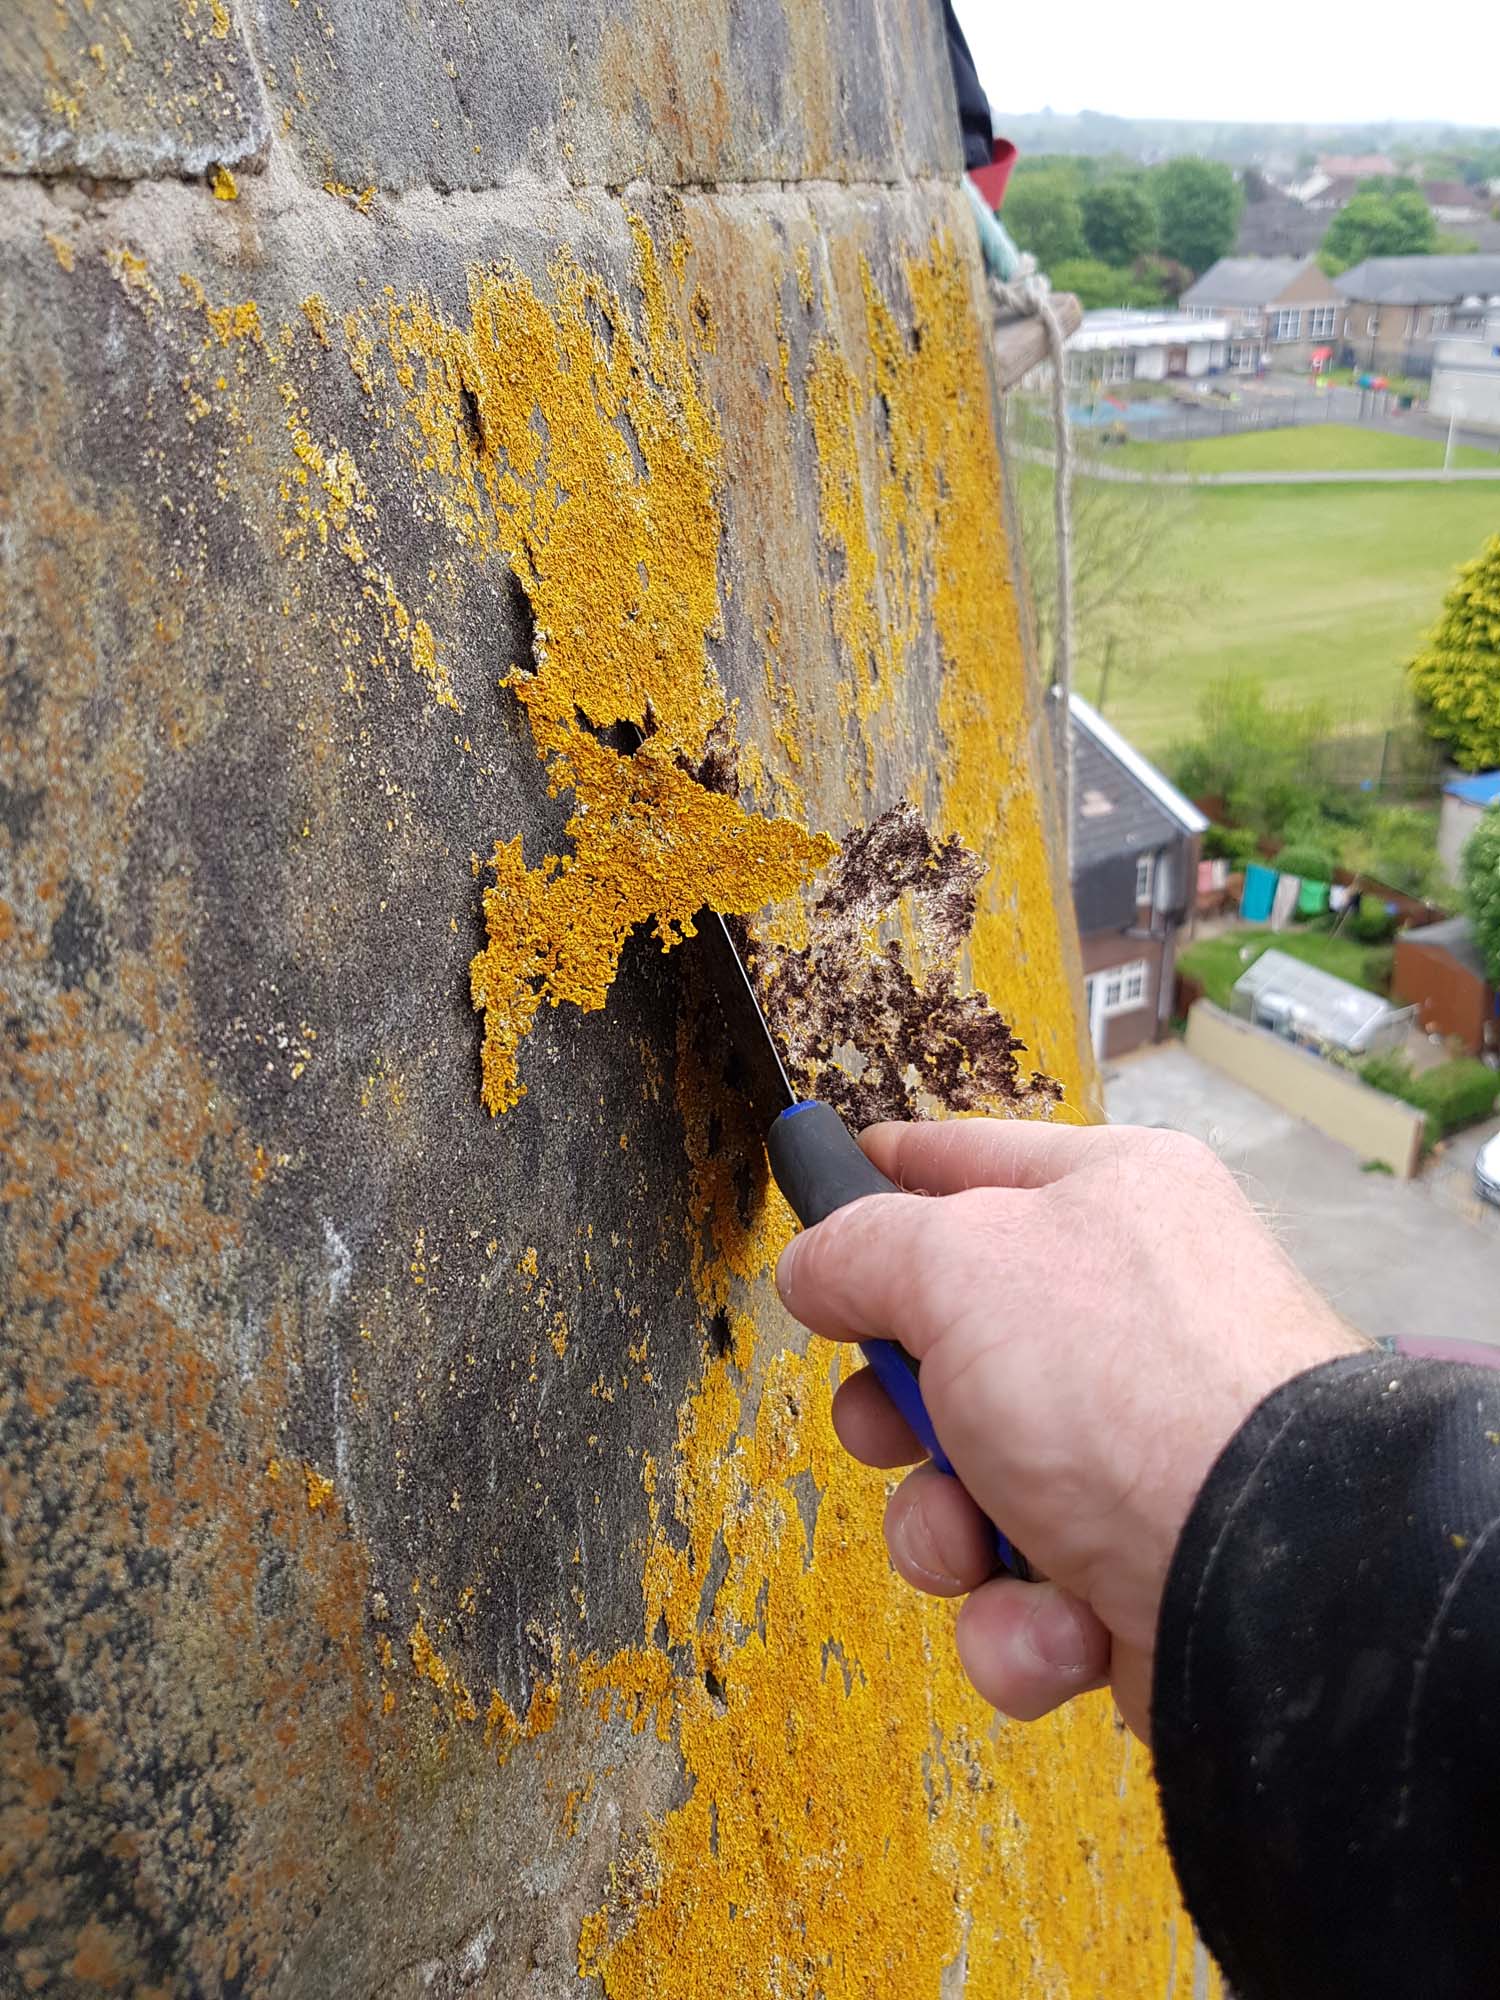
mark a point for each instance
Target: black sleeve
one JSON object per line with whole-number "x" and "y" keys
{"x": 1326, "y": 1713}
{"x": 973, "y": 105}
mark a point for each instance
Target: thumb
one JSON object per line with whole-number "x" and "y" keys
{"x": 1029, "y": 1647}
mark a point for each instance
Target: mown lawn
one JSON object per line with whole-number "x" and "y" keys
{"x": 1317, "y": 592}
{"x": 1219, "y": 961}
{"x": 1306, "y": 448}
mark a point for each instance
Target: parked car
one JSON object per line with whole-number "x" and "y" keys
{"x": 1487, "y": 1171}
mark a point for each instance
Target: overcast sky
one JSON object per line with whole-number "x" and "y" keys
{"x": 1276, "y": 61}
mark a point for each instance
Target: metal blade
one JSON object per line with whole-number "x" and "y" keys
{"x": 764, "y": 1080}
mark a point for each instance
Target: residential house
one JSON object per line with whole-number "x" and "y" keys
{"x": 1466, "y": 374}
{"x": 1136, "y": 842}
{"x": 1465, "y": 803}
{"x": 1455, "y": 204}
{"x": 1336, "y": 176}
{"x": 1396, "y": 308}
{"x": 1125, "y": 346}
{"x": 1439, "y": 971}
{"x": 1281, "y": 310}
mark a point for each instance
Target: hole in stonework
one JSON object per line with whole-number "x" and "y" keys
{"x": 473, "y": 422}
{"x": 916, "y": 340}
{"x": 518, "y": 605}
{"x": 718, "y": 1332}
{"x": 715, "y": 1686}
{"x": 715, "y": 1133}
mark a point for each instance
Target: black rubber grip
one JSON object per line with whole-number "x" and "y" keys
{"x": 818, "y": 1164}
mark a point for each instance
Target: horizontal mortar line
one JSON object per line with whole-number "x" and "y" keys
{"x": 115, "y": 187}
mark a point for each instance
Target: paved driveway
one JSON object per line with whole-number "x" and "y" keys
{"x": 1419, "y": 1258}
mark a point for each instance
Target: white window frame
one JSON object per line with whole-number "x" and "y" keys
{"x": 1242, "y": 356}
{"x": 1321, "y": 322}
{"x": 1145, "y": 875}
{"x": 1125, "y": 988}
{"x": 1287, "y": 325}
{"x": 1442, "y": 317}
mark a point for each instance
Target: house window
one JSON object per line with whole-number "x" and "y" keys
{"x": 1321, "y": 321}
{"x": 1287, "y": 324}
{"x": 1145, "y": 875}
{"x": 1372, "y": 325}
{"x": 1241, "y": 356}
{"x": 1125, "y": 987}
{"x": 1442, "y": 317}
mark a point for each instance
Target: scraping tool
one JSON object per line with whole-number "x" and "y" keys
{"x": 818, "y": 1166}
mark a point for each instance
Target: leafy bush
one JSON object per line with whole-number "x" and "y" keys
{"x": 1237, "y": 845}
{"x": 1398, "y": 844}
{"x": 1481, "y": 873}
{"x": 1373, "y": 922}
{"x": 1456, "y": 676}
{"x": 1311, "y": 863}
{"x": 1452, "y": 1095}
{"x": 1254, "y": 754}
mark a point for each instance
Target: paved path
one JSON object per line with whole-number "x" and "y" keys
{"x": 1086, "y": 468}
{"x": 1401, "y": 1258}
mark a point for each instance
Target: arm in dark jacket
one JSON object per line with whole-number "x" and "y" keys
{"x": 1326, "y": 1712}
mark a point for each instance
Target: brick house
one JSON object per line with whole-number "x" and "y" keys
{"x": 1280, "y": 309}
{"x": 1136, "y": 843}
{"x": 1395, "y": 309}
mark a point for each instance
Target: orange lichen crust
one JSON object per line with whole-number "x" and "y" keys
{"x": 577, "y": 445}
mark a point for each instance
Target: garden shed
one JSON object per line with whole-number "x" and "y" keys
{"x": 1440, "y": 971}
{"x": 1302, "y": 1003}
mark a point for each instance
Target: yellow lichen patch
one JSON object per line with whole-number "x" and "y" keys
{"x": 856, "y": 1823}
{"x": 61, "y": 248}
{"x": 588, "y": 463}
{"x": 941, "y": 503}
{"x": 225, "y": 186}
{"x": 319, "y": 1490}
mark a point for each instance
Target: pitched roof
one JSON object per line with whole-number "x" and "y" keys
{"x": 1483, "y": 789}
{"x": 1419, "y": 281}
{"x": 1244, "y": 281}
{"x": 1121, "y": 803}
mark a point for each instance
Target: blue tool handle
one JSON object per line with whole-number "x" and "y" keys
{"x": 819, "y": 1167}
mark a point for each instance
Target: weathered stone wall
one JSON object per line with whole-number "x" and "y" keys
{"x": 428, "y": 1567}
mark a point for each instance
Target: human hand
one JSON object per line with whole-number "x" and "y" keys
{"x": 1096, "y": 1311}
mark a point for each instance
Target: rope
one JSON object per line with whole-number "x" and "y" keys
{"x": 1026, "y": 296}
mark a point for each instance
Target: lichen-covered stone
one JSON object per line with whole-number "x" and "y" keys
{"x": 428, "y": 1566}
{"x": 127, "y": 89}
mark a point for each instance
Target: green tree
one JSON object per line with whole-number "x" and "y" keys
{"x": 1043, "y": 216}
{"x": 1095, "y": 284}
{"x": 1481, "y": 873}
{"x": 1119, "y": 223}
{"x": 1456, "y": 675}
{"x": 1199, "y": 204}
{"x": 1378, "y": 225}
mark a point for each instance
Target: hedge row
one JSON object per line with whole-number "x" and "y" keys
{"x": 1452, "y": 1095}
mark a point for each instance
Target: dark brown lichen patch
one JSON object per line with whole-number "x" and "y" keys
{"x": 868, "y": 1031}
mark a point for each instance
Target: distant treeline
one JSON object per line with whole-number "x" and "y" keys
{"x": 1119, "y": 234}
{"x": 1445, "y": 152}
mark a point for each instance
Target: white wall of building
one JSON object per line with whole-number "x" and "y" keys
{"x": 1466, "y": 380}
{"x": 1457, "y": 819}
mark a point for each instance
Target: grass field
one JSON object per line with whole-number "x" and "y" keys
{"x": 1317, "y": 592}
{"x": 1218, "y": 962}
{"x": 1306, "y": 448}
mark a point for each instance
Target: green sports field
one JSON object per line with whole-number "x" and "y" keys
{"x": 1316, "y": 591}
{"x": 1309, "y": 448}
